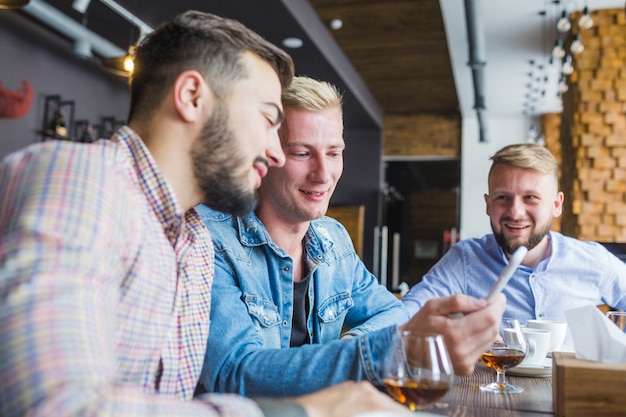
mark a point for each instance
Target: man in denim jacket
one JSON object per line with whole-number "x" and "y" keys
{"x": 287, "y": 278}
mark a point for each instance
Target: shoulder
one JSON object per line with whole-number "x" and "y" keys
{"x": 218, "y": 223}
{"x": 208, "y": 215}
{"x": 63, "y": 167}
{"x": 580, "y": 250}
{"x": 330, "y": 229}
{"x": 475, "y": 246}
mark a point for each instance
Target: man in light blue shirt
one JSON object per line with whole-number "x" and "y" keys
{"x": 288, "y": 280}
{"x": 558, "y": 273}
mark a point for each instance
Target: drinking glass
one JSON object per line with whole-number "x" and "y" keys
{"x": 418, "y": 372}
{"x": 506, "y": 353}
{"x": 618, "y": 317}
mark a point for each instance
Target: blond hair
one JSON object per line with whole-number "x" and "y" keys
{"x": 527, "y": 156}
{"x": 310, "y": 94}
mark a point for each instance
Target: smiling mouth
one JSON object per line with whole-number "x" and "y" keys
{"x": 515, "y": 226}
{"x": 313, "y": 193}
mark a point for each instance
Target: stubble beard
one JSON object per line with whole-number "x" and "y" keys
{"x": 217, "y": 164}
{"x": 508, "y": 246}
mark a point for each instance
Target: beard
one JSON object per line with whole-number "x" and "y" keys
{"x": 218, "y": 166}
{"x": 535, "y": 238}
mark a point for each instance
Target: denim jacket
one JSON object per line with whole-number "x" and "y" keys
{"x": 251, "y": 310}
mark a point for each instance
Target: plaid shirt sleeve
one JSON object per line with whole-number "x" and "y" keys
{"x": 59, "y": 283}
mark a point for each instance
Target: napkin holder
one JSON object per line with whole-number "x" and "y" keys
{"x": 587, "y": 388}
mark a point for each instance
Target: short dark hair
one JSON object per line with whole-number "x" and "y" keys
{"x": 204, "y": 42}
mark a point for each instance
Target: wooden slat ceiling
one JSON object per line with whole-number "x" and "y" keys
{"x": 399, "y": 48}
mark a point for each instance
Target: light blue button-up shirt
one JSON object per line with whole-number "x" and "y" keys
{"x": 576, "y": 274}
{"x": 252, "y": 308}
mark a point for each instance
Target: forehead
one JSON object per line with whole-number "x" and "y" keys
{"x": 507, "y": 178}
{"x": 261, "y": 79}
{"x": 303, "y": 125}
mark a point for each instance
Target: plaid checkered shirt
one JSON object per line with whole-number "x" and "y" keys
{"x": 104, "y": 286}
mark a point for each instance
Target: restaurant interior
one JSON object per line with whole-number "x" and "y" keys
{"x": 431, "y": 88}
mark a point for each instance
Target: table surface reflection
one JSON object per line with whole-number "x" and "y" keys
{"x": 465, "y": 399}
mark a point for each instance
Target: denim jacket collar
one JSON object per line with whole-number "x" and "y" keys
{"x": 252, "y": 232}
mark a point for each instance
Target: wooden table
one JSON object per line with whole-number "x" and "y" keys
{"x": 465, "y": 399}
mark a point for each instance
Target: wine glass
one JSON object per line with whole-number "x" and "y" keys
{"x": 617, "y": 317}
{"x": 507, "y": 352}
{"x": 418, "y": 372}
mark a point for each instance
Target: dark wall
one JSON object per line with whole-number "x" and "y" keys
{"x": 360, "y": 183}
{"x": 29, "y": 52}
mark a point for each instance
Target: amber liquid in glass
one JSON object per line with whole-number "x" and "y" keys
{"x": 415, "y": 393}
{"x": 503, "y": 358}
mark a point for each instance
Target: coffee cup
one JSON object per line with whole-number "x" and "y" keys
{"x": 557, "y": 331}
{"x": 538, "y": 344}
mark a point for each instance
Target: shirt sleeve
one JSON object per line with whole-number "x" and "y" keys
{"x": 445, "y": 278}
{"x": 60, "y": 217}
{"x": 375, "y": 307}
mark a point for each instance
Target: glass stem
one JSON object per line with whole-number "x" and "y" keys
{"x": 500, "y": 378}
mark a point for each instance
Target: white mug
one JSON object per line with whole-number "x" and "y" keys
{"x": 538, "y": 344}
{"x": 556, "y": 328}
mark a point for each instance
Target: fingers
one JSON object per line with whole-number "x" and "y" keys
{"x": 347, "y": 399}
{"x": 466, "y": 337}
{"x": 459, "y": 303}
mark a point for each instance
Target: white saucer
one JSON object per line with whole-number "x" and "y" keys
{"x": 543, "y": 371}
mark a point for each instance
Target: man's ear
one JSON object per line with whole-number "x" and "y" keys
{"x": 192, "y": 95}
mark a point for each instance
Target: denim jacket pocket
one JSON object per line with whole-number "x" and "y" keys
{"x": 266, "y": 318}
{"x": 335, "y": 307}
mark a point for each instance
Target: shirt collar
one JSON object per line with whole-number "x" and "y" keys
{"x": 252, "y": 232}
{"x": 156, "y": 189}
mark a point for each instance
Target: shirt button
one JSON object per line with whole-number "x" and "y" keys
{"x": 285, "y": 323}
{"x": 540, "y": 315}
{"x": 286, "y": 269}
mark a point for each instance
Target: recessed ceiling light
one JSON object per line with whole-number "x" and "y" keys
{"x": 292, "y": 42}
{"x": 336, "y": 24}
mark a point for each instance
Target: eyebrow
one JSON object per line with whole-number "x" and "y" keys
{"x": 280, "y": 116}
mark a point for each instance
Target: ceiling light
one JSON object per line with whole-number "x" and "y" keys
{"x": 336, "y": 24}
{"x": 558, "y": 51}
{"x": 563, "y": 25}
{"x": 568, "y": 68}
{"x": 563, "y": 87}
{"x": 13, "y": 4}
{"x": 577, "y": 46}
{"x": 82, "y": 48}
{"x": 292, "y": 43}
{"x": 123, "y": 65}
{"x": 585, "y": 21}
{"x": 81, "y": 5}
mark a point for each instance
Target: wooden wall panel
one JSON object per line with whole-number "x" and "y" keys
{"x": 422, "y": 135}
{"x": 352, "y": 218}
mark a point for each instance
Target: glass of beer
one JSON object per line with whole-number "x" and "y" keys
{"x": 418, "y": 372}
{"x": 507, "y": 352}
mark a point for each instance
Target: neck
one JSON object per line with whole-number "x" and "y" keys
{"x": 173, "y": 159}
{"x": 540, "y": 252}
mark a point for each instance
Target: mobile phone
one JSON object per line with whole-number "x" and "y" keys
{"x": 508, "y": 271}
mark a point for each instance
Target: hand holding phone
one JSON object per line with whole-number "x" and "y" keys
{"x": 506, "y": 274}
